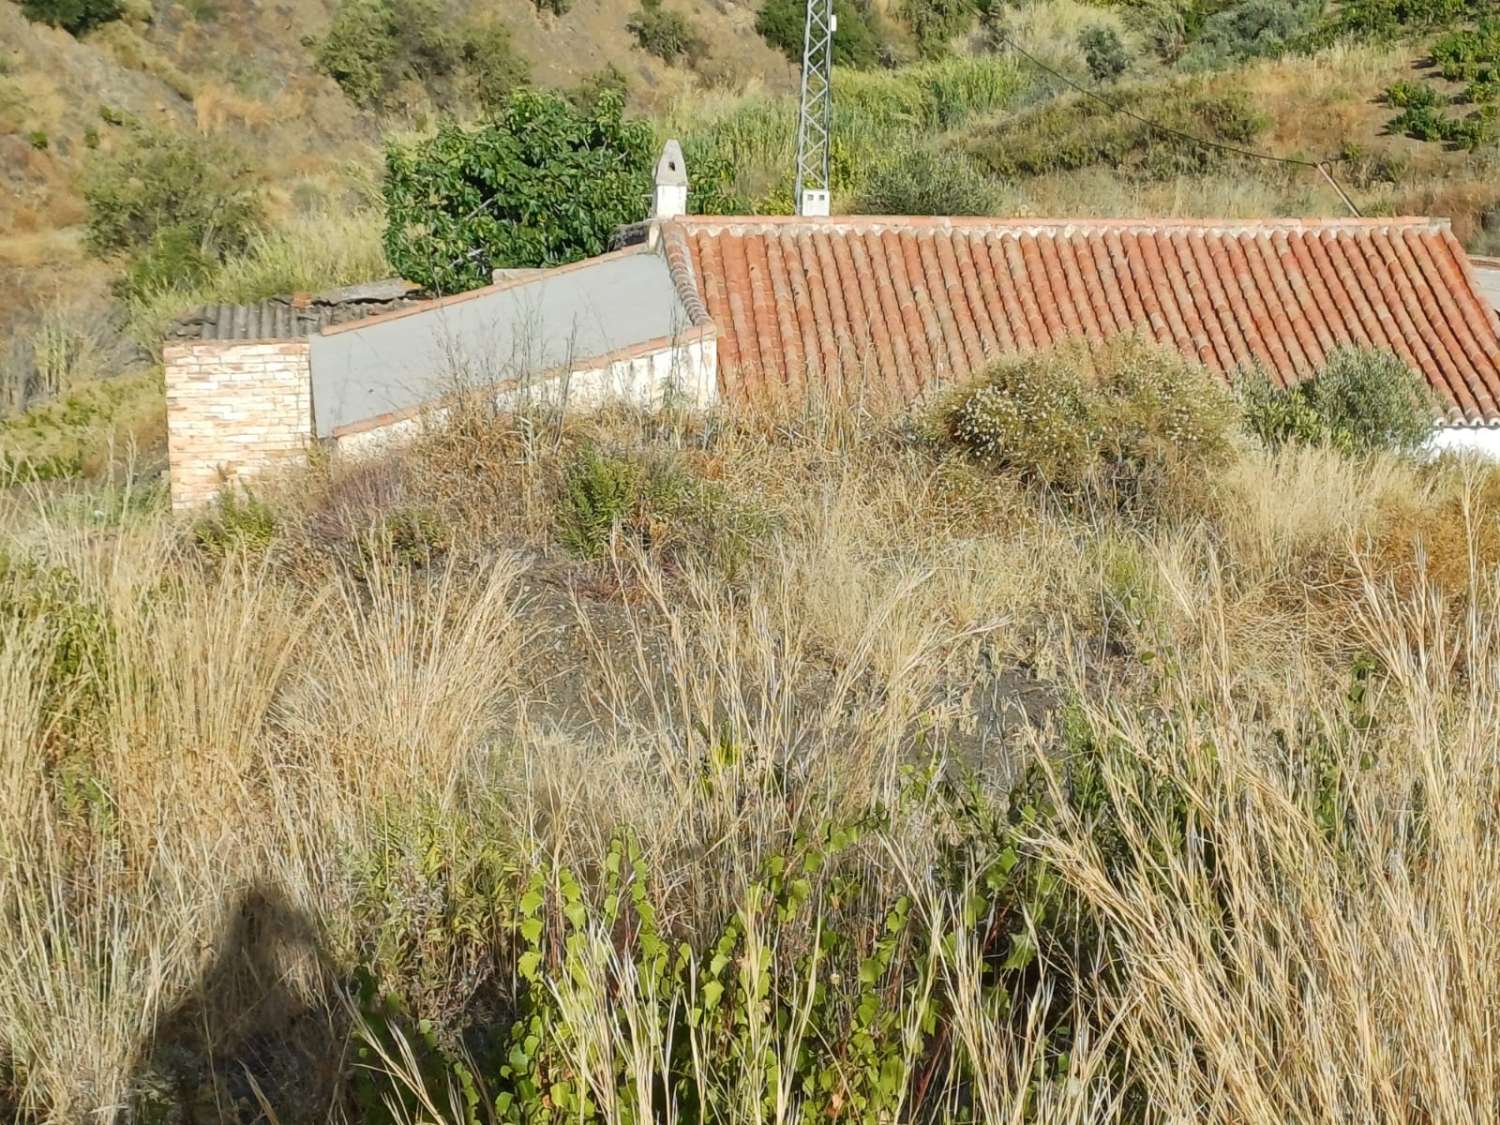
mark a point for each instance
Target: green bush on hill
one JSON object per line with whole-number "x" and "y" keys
{"x": 1104, "y": 51}
{"x": 492, "y": 64}
{"x": 934, "y": 23}
{"x": 73, "y": 15}
{"x": 1360, "y": 402}
{"x": 664, "y": 33}
{"x": 372, "y": 46}
{"x": 929, "y": 180}
{"x": 859, "y": 42}
{"x": 1251, "y": 29}
{"x": 541, "y": 183}
{"x": 171, "y": 205}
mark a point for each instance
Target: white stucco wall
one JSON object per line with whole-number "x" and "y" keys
{"x": 1483, "y": 440}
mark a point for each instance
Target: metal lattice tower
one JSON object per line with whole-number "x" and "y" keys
{"x": 815, "y": 112}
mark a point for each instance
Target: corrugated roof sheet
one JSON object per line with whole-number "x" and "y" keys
{"x": 290, "y": 318}
{"x": 888, "y": 305}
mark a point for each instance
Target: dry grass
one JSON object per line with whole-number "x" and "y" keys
{"x": 357, "y": 760}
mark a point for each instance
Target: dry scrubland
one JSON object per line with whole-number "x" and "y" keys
{"x": 754, "y": 768}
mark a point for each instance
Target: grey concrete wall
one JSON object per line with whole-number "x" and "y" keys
{"x": 393, "y": 363}
{"x": 1488, "y": 277}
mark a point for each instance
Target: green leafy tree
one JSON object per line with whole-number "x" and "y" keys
{"x": 73, "y": 15}
{"x": 542, "y": 183}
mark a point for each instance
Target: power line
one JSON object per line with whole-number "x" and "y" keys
{"x": 1320, "y": 166}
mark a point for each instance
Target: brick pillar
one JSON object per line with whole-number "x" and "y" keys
{"x": 234, "y": 410}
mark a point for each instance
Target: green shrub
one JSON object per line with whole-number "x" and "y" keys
{"x": 1169, "y": 26}
{"x": 1104, "y": 51}
{"x": 1036, "y": 417}
{"x": 664, "y": 33}
{"x": 405, "y": 537}
{"x": 170, "y": 205}
{"x": 359, "y": 49}
{"x": 173, "y": 258}
{"x": 52, "y": 598}
{"x": 556, "y": 7}
{"x": 1157, "y": 406}
{"x": 1252, "y": 29}
{"x": 238, "y": 521}
{"x": 657, "y": 504}
{"x": 541, "y": 183}
{"x": 73, "y": 15}
{"x": 608, "y": 80}
{"x": 38, "y": 140}
{"x": 600, "y": 493}
{"x": 1359, "y": 402}
{"x": 859, "y": 43}
{"x": 929, "y": 180}
{"x": 934, "y": 23}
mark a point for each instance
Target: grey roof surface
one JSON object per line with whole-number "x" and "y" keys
{"x": 528, "y": 326}
{"x": 286, "y": 318}
{"x": 1487, "y": 273}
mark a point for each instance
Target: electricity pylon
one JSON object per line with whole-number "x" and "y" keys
{"x": 815, "y": 111}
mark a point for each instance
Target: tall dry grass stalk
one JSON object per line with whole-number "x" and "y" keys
{"x": 1322, "y": 953}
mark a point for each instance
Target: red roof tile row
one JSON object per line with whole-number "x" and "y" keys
{"x": 884, "y": 306}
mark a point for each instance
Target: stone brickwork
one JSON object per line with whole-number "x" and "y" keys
{"x": 234, "y": 410}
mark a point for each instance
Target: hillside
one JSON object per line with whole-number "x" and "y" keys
{"x": 245, "y": 71}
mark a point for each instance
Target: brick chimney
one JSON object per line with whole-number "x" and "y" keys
{"x": 670, "y": 197}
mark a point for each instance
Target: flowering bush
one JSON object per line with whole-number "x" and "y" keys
{"x": 1065, "y": 416}
{"x": 1035, "y": 417}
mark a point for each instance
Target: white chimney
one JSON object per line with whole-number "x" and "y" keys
{"x": 670, "y": 199}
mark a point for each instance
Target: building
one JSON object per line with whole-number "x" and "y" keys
{"x": 876, "y": 309}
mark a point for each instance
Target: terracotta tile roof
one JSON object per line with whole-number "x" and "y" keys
{"x": 883, "y": 306}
